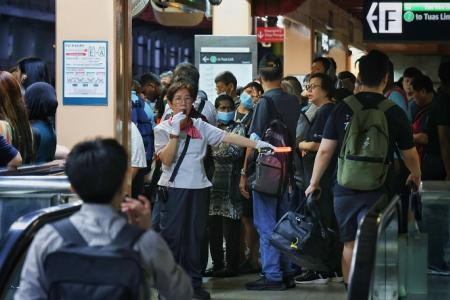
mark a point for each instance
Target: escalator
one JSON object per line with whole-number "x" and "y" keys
{"x": 17, "y": 240}
{"x": 390, "y": 265}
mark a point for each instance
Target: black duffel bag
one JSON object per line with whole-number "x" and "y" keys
{"x": 304, "y": 239}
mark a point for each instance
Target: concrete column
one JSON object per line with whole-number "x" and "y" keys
{"x": 232, "y": 18}
{"x": 297, "y": 49}
{"x": 96, "y": 20}
{"x": 340, "y": 56}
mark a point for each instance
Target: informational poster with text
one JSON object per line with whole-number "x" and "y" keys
{"x": 85, "y": 73}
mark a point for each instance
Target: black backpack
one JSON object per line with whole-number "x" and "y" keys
{"x": 272, "y": 169}
{"x": 79, "y": 271}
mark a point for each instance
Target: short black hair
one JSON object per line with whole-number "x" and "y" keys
{"x": 226, "y": 77}
{"x": 347, "y": 75}
{"x": 444, "y": 72}
{"x": 326, "y": 83}
{"x": 255, "y": 85}
{"x": 324, "y": 61}
{"x": 149, "y": 78}
{"x": 373, "y": 68}
{"x": 270, "y": 67}
{"x": 36, "y": 70}
{"x": 422, "y": 82}
{"x": 187, "y": 70}
{"x": 224, "y": 97}
{"x": 96, "y": 169}
{"x": 411, "y": 72}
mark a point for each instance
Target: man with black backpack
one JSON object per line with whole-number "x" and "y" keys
{"x": 365, "y": 129}
{"x": 95, "y": 253}
{"x": 275, "y": 120}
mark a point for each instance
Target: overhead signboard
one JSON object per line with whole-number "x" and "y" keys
{"x": 270, "y": 34}
{"x": 406, "y": 21}
{"x": 216, "y": 54}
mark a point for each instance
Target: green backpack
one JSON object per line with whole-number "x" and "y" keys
{"x": 363, "y": 161}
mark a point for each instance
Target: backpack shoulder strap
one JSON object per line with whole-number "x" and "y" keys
{"x": 353, "y": 103}
{"x": 385, "y": 105}
{"x": 201, "y": 106}
{"x": 273, "y": 107}
{"x": 69, "y": 232}
{"x": 128, "y": 236}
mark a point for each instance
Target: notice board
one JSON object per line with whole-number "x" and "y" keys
{"x": 216, "y": 54}
{"x": 85, "y": 73}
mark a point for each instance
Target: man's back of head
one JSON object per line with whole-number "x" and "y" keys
{"x": 373, "y": 69}
{"x": 270, "y": 68}
{"x": 96, "y": 170}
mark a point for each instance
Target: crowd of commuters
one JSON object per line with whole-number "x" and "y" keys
{"x": 194, "y": 158}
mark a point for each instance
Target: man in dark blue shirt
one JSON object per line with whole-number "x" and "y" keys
{"x": 267, "y": 210}
{"x": 350, "y": 206}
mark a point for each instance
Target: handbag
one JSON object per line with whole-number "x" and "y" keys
{"x": 304, "y": 239}
{"x": 163, "y": 191}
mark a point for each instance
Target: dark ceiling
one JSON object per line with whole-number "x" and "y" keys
{"x": 355, "y": 7}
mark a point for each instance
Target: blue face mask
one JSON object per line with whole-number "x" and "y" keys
{"x": 246, "y": 100}
{"x": 225, "y": 117}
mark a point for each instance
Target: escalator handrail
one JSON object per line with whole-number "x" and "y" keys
{"x": 370, "y": 230}
{"x": 12, "y": 184}
{"x": 21, "y": 233}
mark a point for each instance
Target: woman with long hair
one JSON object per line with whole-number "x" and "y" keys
{"x": 14, "y": 125}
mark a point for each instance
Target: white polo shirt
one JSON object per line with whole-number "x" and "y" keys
{"x": 138, "y": 159}
{"x": 191, "y": 174}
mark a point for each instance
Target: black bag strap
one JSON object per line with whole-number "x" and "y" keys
{"x": 273, "y": 107}
{"x": 314, "y": 211}
{"x": 128, "y": 236}
{"x": 69, "y": 232}
{"x": 201, "y": 106}
{"x": 180, "y": 160}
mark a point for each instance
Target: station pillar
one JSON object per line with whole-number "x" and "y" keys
{"x": 93, "y": 70}
{"x": 298, "y": 49}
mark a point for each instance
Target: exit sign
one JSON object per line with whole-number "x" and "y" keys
{"x": 270, "y": 34}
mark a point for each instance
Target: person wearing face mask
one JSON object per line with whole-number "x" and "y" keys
{"x": 244, "y": 114}
{"x": 226, "y": 206}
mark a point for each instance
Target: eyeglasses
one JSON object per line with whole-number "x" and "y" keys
{"x": 180, "y": 99}
{"x": 310, "y": 87}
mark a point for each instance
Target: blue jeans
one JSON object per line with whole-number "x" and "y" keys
{"x": 267, "y": 211}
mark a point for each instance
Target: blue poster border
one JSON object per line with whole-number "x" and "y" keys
{"x": 87, "y": 101}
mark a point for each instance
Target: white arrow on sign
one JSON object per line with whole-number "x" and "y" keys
{"x": 205, "y": 59}
{"x": 371, "y": 17}
{"x": 260, "y": 34}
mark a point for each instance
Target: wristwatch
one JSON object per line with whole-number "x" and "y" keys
{"x": 243, "y": 173}
{"x": 173, "y": 136}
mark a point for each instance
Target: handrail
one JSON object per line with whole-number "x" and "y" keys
{"x": 369, "y": 232}
{"x": 13, "y": 184}
{"x": 21, "y": 233}
{"x": 55, "y": 167}
{"x": 435, "y": 192}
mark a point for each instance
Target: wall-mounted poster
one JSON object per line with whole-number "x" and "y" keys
{"x": 85, "y": 73}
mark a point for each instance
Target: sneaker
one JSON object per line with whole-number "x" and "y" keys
{"x": 263, "y": 284}
{"x": 312, "y": 277}
{"x": 337, "y": 277}
{"x": 201, "y": 294}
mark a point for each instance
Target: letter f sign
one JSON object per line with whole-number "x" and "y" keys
{"x": 389, "y": 16}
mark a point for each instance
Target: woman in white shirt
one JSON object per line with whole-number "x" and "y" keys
{"x": 184, "y": 202}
